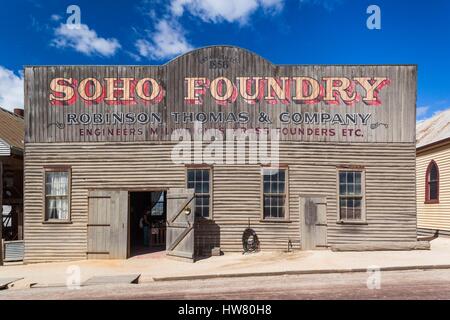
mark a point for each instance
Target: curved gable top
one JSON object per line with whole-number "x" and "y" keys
{"x": 226, "y": 51}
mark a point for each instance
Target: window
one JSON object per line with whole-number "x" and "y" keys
{"x": 432, "y": 183}
{"x": 274, "y": 193}
{"x": 158, "y": 204}
{"x": 199, "y": 180}
{"x": 57, "y": 191}
{"x": 351, "y": 196}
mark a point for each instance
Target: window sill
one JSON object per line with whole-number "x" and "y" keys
{"x": 56, "y": 222}
{"x": 431, "y": 202}
{"x": 357, "y": 223}
{"x": 274, "y": 221}
{"x": 203, "y": 220}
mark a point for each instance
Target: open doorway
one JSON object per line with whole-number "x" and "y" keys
{"x": 147, "y": 222}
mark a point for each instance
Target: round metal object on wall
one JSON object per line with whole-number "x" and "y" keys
{"x": 250, "y": 241}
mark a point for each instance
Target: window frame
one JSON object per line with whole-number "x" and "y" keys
{"x": 211, "y": 171}
{"x": 67, "y": 169}
{"x": 286, "y": 217}
{"x": 363, "y": 219}
{"x": 427, "y": 183}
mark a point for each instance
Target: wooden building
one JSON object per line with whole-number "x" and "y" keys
{"x": 103, "y": 148}
{"x": 433, "y": 175}
{"x": 12, "y": 130}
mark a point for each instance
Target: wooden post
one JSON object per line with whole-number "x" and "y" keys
{"x": 1, "y": 213}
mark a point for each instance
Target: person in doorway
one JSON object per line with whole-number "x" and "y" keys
{"x": 144, "y": 224}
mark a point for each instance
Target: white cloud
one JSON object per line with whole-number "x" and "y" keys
{"x": 84, "y": 40}
{"x": 422, "y": 111}
{"x": 168, "y": 40}
{"x": 11, "y": 89}
{"x": 224, "y": 10}
{"x": 134, "y": 56}
{"x": 55, "y": 17}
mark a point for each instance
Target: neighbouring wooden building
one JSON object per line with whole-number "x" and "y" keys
{"x": 12, "y": 130}
{"x": 107, "y": 146}
{"x": 433, "y": 175}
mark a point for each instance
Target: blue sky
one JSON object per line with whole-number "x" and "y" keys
{"x": 33, "y": 32}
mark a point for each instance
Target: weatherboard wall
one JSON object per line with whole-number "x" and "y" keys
{"x": 390, "y": 198}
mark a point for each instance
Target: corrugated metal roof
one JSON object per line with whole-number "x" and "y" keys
{"x": 12, "y": 129}
{"x": 433, "y": 130}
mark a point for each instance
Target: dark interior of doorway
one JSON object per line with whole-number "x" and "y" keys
{"x": 151, "y": 205}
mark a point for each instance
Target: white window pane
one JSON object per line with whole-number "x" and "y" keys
{"x": 63, "y": 209}
{"x": 57, "y": 209}
{"x": 57, "y": 183}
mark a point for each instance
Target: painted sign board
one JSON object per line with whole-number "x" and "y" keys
{"x": 222, "y": 88}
